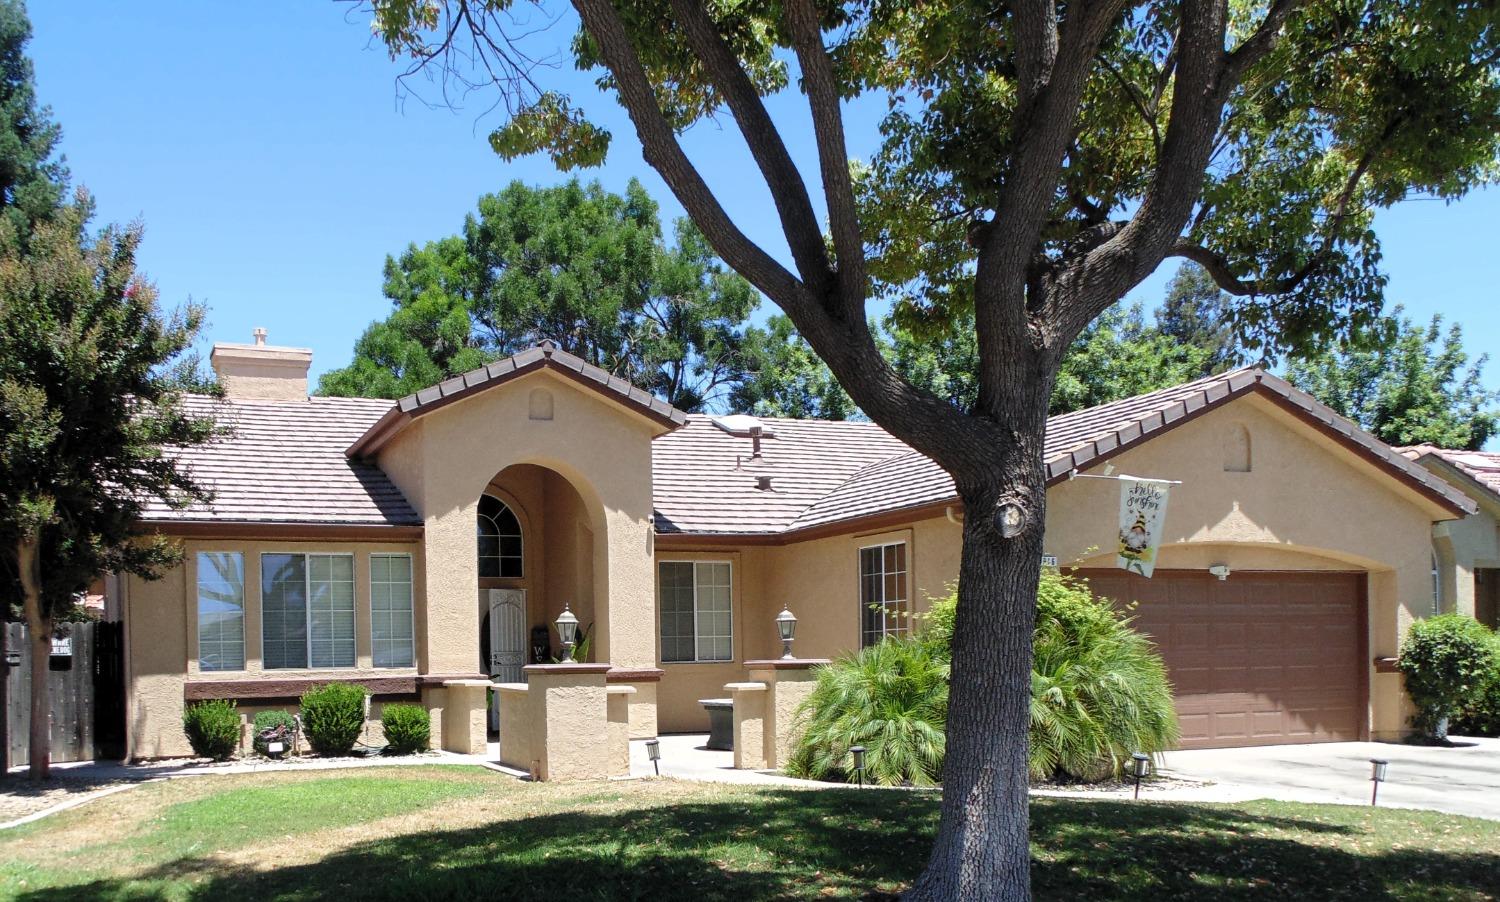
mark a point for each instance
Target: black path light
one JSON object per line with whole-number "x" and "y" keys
{"x": 858, "y": 752}
{"x": 653, "y": 751}
{"x": 1377, "y": 776}
{"x": 1140, "y": 766}
{"x": 567, "y": 633}
{"x": 786, "y": 625}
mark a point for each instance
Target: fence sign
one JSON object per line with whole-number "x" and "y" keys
{"x": 1143, "y": 509}
{"x": 62, "y": 646}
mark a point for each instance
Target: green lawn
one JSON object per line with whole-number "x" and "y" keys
{"x": 440, "y": 833}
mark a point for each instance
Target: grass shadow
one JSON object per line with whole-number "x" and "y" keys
{"x": 793, "y": 844}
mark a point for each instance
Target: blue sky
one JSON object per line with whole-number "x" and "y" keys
{"x": 268, "y": 153}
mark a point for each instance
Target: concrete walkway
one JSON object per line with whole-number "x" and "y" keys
{"x": 684, "y": 757}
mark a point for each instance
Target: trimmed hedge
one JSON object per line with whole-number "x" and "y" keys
{"x": 407, "y": 728}
{"x": 273, "y": 720}
{"x": 212, "y": 728}
{"x": 332, "y": 717}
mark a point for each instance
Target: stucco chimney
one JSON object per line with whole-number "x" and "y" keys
{"x": 261, "y": 371}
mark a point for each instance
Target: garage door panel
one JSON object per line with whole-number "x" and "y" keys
{"x": 1261, "y": 658}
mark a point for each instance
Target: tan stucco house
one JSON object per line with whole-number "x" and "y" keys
{"x": 1466, "y": 552}
{"x": 413, "y": 545}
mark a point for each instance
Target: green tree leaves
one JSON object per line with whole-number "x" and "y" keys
{"x": 1405, "y": 383}
{"x": 574, "y": 264}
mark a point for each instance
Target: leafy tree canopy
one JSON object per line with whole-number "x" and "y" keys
{"x": 575, "y": 264}
{"x": 32, "y": 179}
{"x": 1406, "y": 384}
{"x": 785, "y": 378}
{"x": 1197, "y": 312}
{"x": 88, "y": 401}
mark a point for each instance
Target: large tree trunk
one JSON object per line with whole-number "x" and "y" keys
{"x": 982, "y": 847}
{"x": 39, "y": 626}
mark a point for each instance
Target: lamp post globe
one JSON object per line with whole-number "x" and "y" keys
{"x": 786, "y": 626}
{"x": 567, "y": 633}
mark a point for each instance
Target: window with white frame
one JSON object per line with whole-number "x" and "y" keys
{"x": 882, "y": 592}
{"x": 501, "y": 551}
{"x": 390, "y": 610}
{"x": 221, "y": 610}
{"x": 307, "y": 610}
{"x": 696, "y": 611}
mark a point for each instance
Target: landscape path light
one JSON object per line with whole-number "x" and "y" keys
{"x": 1140, "y": 766}
{"x": 1377, "y": 776}
{"x": 858, "y": 752}
{"x": 653, "y": 752}
{"x": 786, "y": 625}
{"x": 567, "y": 633}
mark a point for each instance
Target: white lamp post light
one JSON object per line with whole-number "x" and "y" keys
{"x": 786, "y": 625}
{"x": 567, "y": 633}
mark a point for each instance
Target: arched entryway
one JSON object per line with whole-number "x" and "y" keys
{"x": 535, "y": 546}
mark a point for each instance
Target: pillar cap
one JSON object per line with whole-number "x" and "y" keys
{"x": 745, "y": 687}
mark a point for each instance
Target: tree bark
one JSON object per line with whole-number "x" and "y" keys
{"x": 982, "y": 847}
{"x": 39, "y": 627}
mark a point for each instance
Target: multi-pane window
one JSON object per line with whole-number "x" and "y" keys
{"x": 499, "y": 539}
{"x": 882, "y": 592}
{"x": 221, "y": 610}
{"x": 307, "y": 610}
{"x": 695, "y": 611}
{"x": 390, "y": 610}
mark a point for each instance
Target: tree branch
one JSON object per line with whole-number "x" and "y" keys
{"x": 799, "y": 221}
{"x": 661, "y": 149}
{"x": 1261, "y": 42}
{"x": 833, "y": 154}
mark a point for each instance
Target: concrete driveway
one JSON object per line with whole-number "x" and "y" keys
{"x": 1460, "y": 780}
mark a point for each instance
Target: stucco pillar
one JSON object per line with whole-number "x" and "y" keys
{"x": 465, "y": 716}
{"x": 789, "y": 681}
{"x": 618, "y": 734}
{"x": 569, "y": 706}
{"x": 641, "y": 704}
{"x": 749, "y": 724}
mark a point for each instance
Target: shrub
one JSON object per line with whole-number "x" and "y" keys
{"x": 1448, "y": 661}
{"x": 407, "y": 728}
{"x": 332, "y": 717}
{"x": 212, "y": 728}
{"x": 891, "y": 698}
{"x": 1099, "y": 693}
{"x": 1099, "y": 689}
{"x": 273, "y": 724}
{"x": 1480, "y": 713}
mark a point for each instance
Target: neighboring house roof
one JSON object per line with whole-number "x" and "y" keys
{"x": 545, "y": 355}
{"x": 905, "y": 481}
{"x": 1482, "y": 467}
{"x": 283, "y": 462}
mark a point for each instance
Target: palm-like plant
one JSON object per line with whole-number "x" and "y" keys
{"x": 891, "y": 698}
{"x": 1099, "y": 690}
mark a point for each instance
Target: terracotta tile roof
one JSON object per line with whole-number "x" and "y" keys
{"x": 284, "y": 463}
{"x": 545, "y": 355}
{"x": 906, "y": 480}
{"x": 703, "y": 481}
{"x": 1483, "y": 467}
{"x": 293, "y": 462}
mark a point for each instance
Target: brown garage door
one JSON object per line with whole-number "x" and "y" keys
{"x": 1258, "y": 659}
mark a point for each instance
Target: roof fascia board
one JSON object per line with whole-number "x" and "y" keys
{"x": 618, "y": 392}
{"x": 275, "y": 530}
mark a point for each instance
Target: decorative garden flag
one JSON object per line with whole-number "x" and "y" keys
{"x": 1143, "y": 509}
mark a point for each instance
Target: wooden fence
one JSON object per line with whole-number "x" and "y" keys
{"x": 86, "y": 689}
